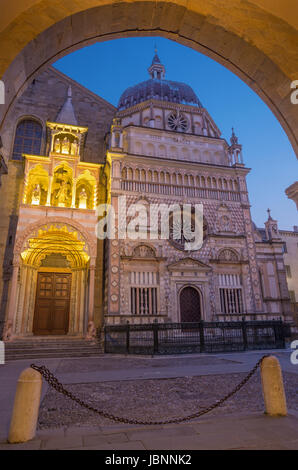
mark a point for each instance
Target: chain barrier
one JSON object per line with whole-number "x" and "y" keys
{"x": 54, "y": 383}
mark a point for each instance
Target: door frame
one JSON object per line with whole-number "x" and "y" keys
{"x": 200, "y": 296}
{"x": 54, "y": 271}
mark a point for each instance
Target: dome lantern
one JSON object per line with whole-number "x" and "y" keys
{"x": 156, "y": 70}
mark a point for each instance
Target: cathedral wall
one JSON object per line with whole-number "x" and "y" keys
{"x": 273, "y": 279}
{"x": 42, "y": 101}
{"x": 11, "y": 192}
{"x": 176, "y": 146}
{"x": 291, "y": 260}
{"x": 231, "y": 236}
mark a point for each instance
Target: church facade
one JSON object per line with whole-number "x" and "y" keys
{"x": 159, "y": 147}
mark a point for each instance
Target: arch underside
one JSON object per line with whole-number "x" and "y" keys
{"x": 250, "y": 41}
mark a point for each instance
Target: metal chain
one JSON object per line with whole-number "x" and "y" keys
{"x": 54, "y": 383}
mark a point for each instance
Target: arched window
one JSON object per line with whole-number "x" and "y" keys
{"x": 27, "y": 139}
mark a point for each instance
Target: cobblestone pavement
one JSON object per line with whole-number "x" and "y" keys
{"x": 156, "y": 388}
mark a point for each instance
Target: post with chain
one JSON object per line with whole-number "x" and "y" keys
{"x": 273, "y": 387}
{"x": 53, "y": 382}
{"x": 26, "y": 406}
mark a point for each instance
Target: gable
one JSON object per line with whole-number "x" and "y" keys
{"x": 189, "y": 264}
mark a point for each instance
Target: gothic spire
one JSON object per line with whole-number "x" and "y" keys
{"x": 67, "y": 114}
{"x": 235, "y": 150}
{"x": 234, "y": 138}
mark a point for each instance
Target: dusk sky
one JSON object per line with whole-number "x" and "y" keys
{"x": 108, "y": 68}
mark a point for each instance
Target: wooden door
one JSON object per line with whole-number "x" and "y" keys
{"x": 190, "y": 305}
{"x": 51, "y": 315}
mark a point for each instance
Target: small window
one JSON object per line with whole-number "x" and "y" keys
{"x": 292, "y": 296}
{"x": 27, "y": 139}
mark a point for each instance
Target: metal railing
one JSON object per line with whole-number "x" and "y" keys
{"x": 181, "y": 338}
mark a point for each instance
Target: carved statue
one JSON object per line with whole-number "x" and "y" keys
{"x": 57, "y": 145}
{"x": 83, "y": 199}
{"x": 117, "y": 139}
{"x": 62, "y": 194}
{"x": 224, "y": 223}
{"x": 74, "y": 148}
{"x": 91, "y": 331}
{"x": 65, "y": 146}
{"x": 7, "y": 335}
{"x": 36, "y": 193}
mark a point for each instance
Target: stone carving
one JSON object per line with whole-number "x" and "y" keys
{"x": 36, "y": 195}
{"x": 224, "y": 220}
{"x": 224, "y": 223}
{"x": 62, "y": 194}
{"x": 57, "y": 145}
{"x": 7, "y": 335}
{"x": 83, "y": 199}
{"x": 143, "y": 251}
{"x": 91, "y": 331}
{"x": 65, "y": 146}
{"x": 227, "y": 255}
{"x": 74, "y": 148}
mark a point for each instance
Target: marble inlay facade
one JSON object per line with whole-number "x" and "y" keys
{"x": 160, "y": 146}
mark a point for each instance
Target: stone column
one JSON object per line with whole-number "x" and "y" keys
{"x": 163, "y": 119}
{"x": 12, "y": 300}
{"x": 83, "y": 296}
{"x": 74, "y": 188}
{"x": 49, "y": 191}
{"x": 31, "y": 303}
{"x": 20, "y": 309}
{"x": 91, "y": 293}
{"x": 27, "y": 296}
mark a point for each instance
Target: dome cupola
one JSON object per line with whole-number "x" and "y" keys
{"x": 158, "y": 88}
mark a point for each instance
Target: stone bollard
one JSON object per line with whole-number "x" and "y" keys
{"x": 273, "y": 387}
{"x": 26, "y": 407}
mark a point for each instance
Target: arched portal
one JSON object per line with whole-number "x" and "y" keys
{"x": 50, "y": 281}
{"x": 190, "y": 305}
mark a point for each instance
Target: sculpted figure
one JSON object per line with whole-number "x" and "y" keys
{"x": 91, "y": 331}
{"x": 83, "y": 199}
{"x": 74, "y": 148}
{"x": 36, "y": 195}
{"x": 65, "y": 146}
{"x": 57, "y": 145}
{"x": 62, "y": 194}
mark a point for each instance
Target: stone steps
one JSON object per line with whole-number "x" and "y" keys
{"x": 51, "y": 348}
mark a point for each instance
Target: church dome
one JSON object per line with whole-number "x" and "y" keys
{"x": 159, "y": 89}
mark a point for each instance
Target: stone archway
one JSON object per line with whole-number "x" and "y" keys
{"x": 52, "y": 287}
{"x": 255, "y": 39}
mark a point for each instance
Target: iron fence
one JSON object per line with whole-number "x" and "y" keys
{"x": 181, "y": 338}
